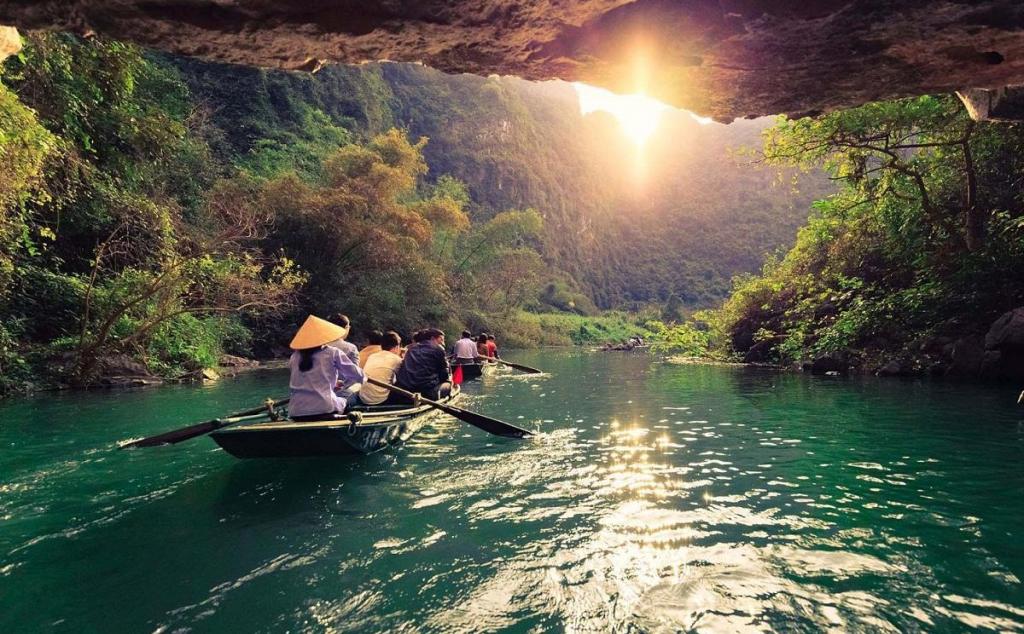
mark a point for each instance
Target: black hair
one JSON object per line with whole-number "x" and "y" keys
{"x": 390, "y": 340}
{"x": 374, "y": 337}
{"x": 467, "y": 334}
{"x": 490, "y": 337}
{"x": 482, "y": 338}
{"x": 343, "y": 320}
{"x": 306, "y": 358}
{"x": 417, "y": 336}
{"x": 429, "y": 333}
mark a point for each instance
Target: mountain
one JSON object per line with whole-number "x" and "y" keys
{"x": 628, "y": 227}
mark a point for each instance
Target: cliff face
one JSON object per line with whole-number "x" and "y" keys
{"x": 724, "y": 58}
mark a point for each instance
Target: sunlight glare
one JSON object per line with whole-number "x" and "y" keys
{"x": 638, "y": 115}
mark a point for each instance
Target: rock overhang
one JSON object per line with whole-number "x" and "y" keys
{"x": 719, "y": 58}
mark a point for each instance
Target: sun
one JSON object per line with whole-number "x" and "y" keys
{"x": 638, "y": 115}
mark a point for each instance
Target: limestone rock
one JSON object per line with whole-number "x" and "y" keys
{"x": 896, "y": 367}
{"x": 830, "y": 364}
{"x": 1007, "y": 332}
{"x": 1004, "y": 347}
{"x": 236, "y": 362}
{"x": 968, "y": 353}
{"x": 723, "y": 58}
{"x": 758, "y": 353}
{"x": 121, "y": 365}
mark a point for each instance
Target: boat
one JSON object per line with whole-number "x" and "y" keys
{"x": 472, "y": 371}
{"x": 359, "y": 432}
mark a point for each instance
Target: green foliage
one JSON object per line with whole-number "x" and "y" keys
{"x": 303, "y": 154}
{"x": 920, "y": 244}
{"x": 685, "y": 339}
{"x": 523, "y": 329}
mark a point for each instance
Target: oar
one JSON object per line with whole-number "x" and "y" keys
{"x": 199, "y": 429}
{"x": 486, "y": 423}
{"x": 517, "y": 366}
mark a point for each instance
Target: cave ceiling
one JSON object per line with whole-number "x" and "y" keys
{"x": 721, "y": 58}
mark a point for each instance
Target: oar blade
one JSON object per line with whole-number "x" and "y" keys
{"x": 176, "y": 436}
{"x": 193, "y": 431}
{"x": 524, "y": 368}
{"x": 488, "y": 424}
{"x": 520, "y": 367}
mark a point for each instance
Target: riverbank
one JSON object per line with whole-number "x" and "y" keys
{"x": 40, "y": 370}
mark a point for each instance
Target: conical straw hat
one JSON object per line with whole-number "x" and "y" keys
{"x": 316, "y": 332}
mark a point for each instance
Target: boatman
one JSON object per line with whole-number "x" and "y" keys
{"x": 316, "y": 368}
{"x": 425, "y": 368}
{"x": 465, "y": 352}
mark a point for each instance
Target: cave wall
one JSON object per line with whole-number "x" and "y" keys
{"x": 723, "y": 58}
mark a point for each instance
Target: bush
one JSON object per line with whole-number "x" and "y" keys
{"x": 186, "y": 343}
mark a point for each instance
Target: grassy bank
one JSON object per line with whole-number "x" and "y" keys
{"x": 522, "y": 329}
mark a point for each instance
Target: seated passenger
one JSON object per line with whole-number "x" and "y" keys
{"x": 492, "y": 347}
{"x": 424, "y": 369}
{"x": 381, "y": 366}
{"x": 465, "y": 351}
{"x": 316, "y": 368}
{"x": 346, "y": 347}
{"x": 481, "y": 346}
{"x": 373, "y": 339}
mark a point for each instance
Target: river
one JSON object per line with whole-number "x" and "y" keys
{"x": 658, "y": 497}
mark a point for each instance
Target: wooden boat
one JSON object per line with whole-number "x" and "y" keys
{"x": 472, "y": 371}
{"x": 363, "y": 431}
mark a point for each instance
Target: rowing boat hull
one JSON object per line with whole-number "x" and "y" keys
{"x": 472, "y": 371}
{"x": 376, "y": 431}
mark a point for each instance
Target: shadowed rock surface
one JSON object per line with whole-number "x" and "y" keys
{"x": 724, "y": 58}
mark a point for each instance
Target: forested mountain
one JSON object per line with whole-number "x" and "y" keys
{"x": 164, "y": 210}
{"x": 697, "y": 215}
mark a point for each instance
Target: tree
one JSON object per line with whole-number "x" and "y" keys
{"x": 920, "y": 152}
{"x": 209, "y": 266}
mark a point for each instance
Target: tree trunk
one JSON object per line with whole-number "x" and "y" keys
{"x": 974, "y": 220}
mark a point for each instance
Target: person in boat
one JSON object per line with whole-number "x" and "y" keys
{"x": 381, "y": 365}
{"x": 492, "y": 347}
{"x": 316, "y": 369}
{"x": 465, "y": 351}
{"x": 350, "y": 350}
{"x": 481, "y": 346}
{"x": 425, "y": 368}
{"x": 373, "y": 345}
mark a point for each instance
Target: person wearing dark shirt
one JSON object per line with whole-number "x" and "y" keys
{"x": 425, "y": 368}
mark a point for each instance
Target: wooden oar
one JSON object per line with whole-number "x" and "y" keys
{"x": 199, "y": 429}
{"x": 486, "y": 423}
{"x": 517, "y": 366}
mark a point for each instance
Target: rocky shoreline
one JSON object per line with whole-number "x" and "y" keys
{"x": 123, "y": 372}
{"x": 996, "y": 355}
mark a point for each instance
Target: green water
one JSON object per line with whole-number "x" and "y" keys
{"x": 657, "y": 498}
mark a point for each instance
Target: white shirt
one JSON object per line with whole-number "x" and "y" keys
{"x": 465, "y": 349}
{"x": 381, "y": 366}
